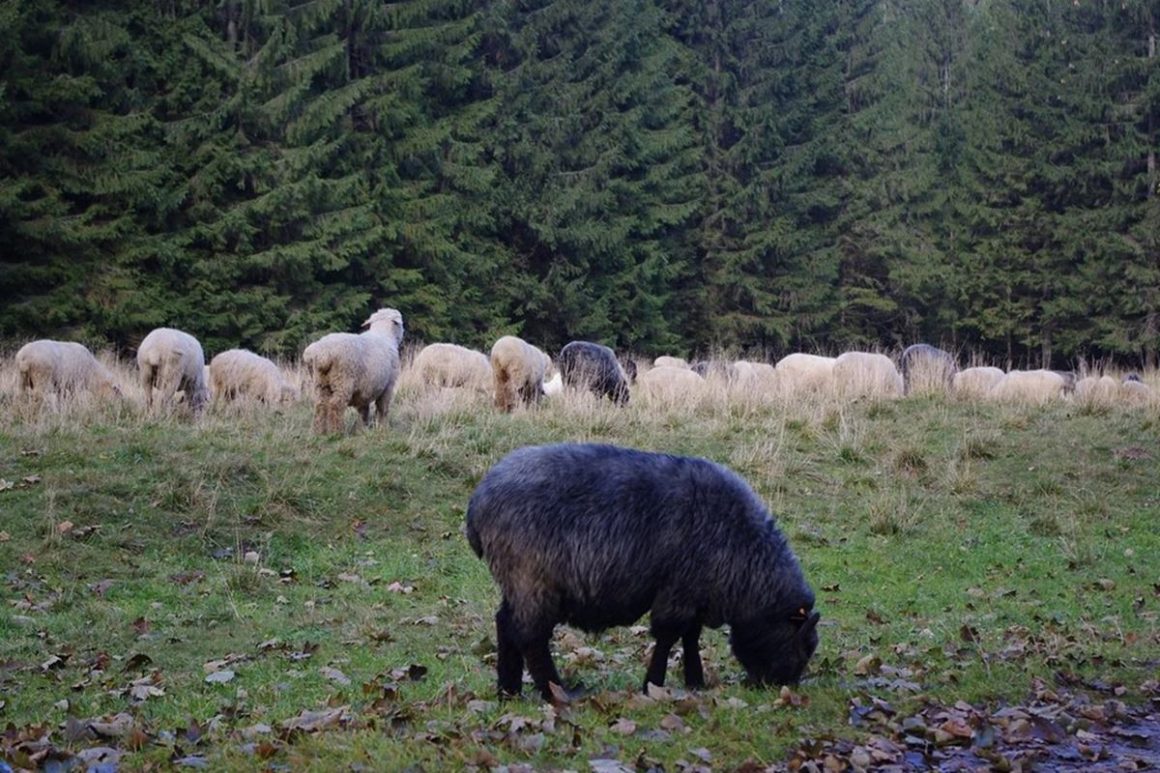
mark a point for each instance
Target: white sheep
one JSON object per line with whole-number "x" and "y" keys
{"x": 555, "y": 385}
{"x": 63, "y": 368}
{"x": 665, "y": 361}
{"x": 169, "y": 361}
{"x": 670, "y": 384}
{"x": 866, "y": 374}
{"x": 451, "y": 365}
{"x": 241, "y": 374}
{"x": 976, "y": 382}
{"x": 518, "y": 369}
{"x": 1097, "y": 390}
{"x": 1029, "y": 386}
{"x": 1134, "y": 390}
{"x": 359, "y": 370}
{"x": 805, "y": 372}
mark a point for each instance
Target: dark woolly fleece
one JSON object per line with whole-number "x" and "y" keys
{"x": 585, "y": 365}
{"x": 597, "y": 535}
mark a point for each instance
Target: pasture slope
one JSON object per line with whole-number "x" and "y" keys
{"x": 239, "y": 594}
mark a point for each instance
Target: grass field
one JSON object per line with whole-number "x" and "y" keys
{"x": 236, "y": 593}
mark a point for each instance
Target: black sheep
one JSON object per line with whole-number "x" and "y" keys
{"x": 585, "y": 365}
{"x": 926, "y": 368}
{"x": 597, "y": 535}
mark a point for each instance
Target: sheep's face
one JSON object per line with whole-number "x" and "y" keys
{"x": 775, "y": 648}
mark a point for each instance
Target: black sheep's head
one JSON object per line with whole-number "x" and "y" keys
{"x": 775, "y": 647}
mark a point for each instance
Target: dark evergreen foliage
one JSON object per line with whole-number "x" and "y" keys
{"x": 655, "y": 174}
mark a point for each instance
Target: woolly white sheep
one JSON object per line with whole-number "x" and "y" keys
{"x": 170, "y": 360}
{"x": 1092, "y": 389}
{"x": 800, "y": 371}
{"x": 865, "y": 374}
{"x": 518, "y": 369}
{"x": 555, "y": 385}
{"x": 451, "y": 365}
{"x": 62, "y": 367}
{"x": 238, "y": 373}
{"x": 670, "y": 384}
{"x": 1029, "y": 386}
{"x": 976, "y": 382}
{"x": 359, "y": 370}
{"x": 1134, "y": 390}
{"x": 665, "y": 361}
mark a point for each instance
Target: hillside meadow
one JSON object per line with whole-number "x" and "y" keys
{"x": 237, "y": 593}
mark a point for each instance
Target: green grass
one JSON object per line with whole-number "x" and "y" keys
{"x": 969, "y": 547}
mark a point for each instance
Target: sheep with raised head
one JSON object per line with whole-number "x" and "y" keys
{"x": 594, "y": 368}
{"x": 926, "y": 369}
{"x": 976, "y": 382}
{"x": 63, "y": 368}
{"x": 866, "y": 374}
{"x": 518, "y": 370}
{"x": 172, "y": 361}
{"x": 805, "y": 372}
{"x": 452, "y": 365}
{"x": 1029, "y": 386}
{"x": 670, "y": 385}
{"x": 239, "y": 374}
{"x": 596, "y": 536}
{"x": 355, "y": 369}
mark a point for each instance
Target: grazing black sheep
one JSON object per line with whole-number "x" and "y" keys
{"x": 585, "y": 365}
{"x": 926, "y": 368}
{"x": 597, "y": 535}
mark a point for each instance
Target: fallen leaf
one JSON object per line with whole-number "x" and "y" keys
{"x": 220, "y": 677}
{"x": 64, "y": 527}
{"x": 623, "y": 726}
{"x": 334, "y": 675}
{"x": 313, "y": 721}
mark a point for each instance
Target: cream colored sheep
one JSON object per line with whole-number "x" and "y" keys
{"x": 359, "y": 370}
{"x": 451, "y": 365}
{"x": 671, "y": 385}
{"x": 976, "y": 382}
{"x": 805, "y": 372}
{"x": 865, "y": 374}
{"x": 665, "y": 361}
{"x": 1029, "y": 386}
{"x": 555, "y": 385}
{"x": 1102, "y": 390}
{"x": 518, "y": 370}
{"x": 1133, "y": 390}
{"x": 169, "y": 361}
{"x": 241, "y": 374}
{"x": 63, "y": 368}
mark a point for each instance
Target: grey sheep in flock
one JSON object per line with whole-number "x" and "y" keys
{"x": 593, "y": 367}
{"x": 926, "y": 369}
{"x": 360, "y": 370}
{"x": 597, "y": 535}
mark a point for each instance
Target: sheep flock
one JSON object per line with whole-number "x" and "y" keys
{"x": 363, "y": 371}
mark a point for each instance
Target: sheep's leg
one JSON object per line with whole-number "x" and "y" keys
{"x": 665, "y": 639}
{"x": 509, "y": 664}
{"x": 538, "y": 656}
{"x": 691, "y": 654}
{"x": 364, "y": 413}
{"x": 382, "y": 407}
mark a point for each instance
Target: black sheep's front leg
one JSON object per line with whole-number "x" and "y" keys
{"x": 538, "y": 655}
{"x": 665, "y": 639}
{"x": 691, "y": 646}
{"x": 509, "y": 663}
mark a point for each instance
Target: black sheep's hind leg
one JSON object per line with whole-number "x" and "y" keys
{"x": 694, "y": 671}
{"x": 509, "y": 663}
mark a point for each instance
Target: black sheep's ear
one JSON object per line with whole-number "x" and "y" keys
{"x": 800, "y": 616}
{"x": 808, "y": 625}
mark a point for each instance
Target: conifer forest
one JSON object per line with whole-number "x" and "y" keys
{"x": 657, "y": 175}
